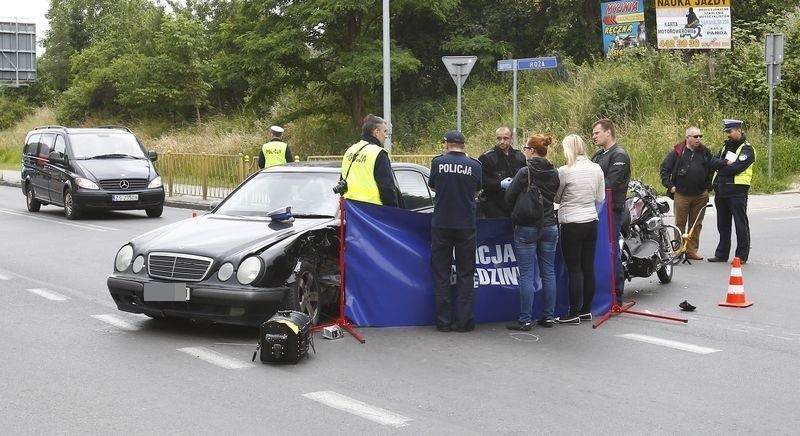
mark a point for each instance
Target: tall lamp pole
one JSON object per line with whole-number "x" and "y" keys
{"x": 387, "y": 78}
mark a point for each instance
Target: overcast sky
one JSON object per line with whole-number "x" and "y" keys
{"x": 27, "y": 11}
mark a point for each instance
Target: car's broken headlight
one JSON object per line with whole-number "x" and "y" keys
{"x": 249, "y": 270}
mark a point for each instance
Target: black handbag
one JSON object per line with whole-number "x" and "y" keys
{"x": 285, "y": 337}
{"x": 529, "y": 208}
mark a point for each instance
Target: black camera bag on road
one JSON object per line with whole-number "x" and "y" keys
{"x": 285, "y": 337}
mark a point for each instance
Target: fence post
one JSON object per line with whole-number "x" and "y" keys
{"x": 170, "y": 171}
{"x": 204, "y": 174}
{"x": 242, "y": 158}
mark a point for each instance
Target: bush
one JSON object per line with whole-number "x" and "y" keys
{"x": 621, "y": 96}
{"x": 12, "y": 110}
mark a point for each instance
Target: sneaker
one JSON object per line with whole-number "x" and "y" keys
{"x": 568, "y": 319}
{"x": 546, "y": 323}
{"x": 585, "y": 316}
{"x": 519, "y": 325}
{"x": 443, "y": 328}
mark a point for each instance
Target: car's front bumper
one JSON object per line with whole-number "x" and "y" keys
{"x": 91, "y": 199}
{"x": 243, "y": 305}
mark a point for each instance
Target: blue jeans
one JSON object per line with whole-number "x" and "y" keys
{"x": 534, "y": 249}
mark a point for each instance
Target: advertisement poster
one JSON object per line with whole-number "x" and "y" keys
{"x": 623, "y": 26}
{"x": 693, "y": 24}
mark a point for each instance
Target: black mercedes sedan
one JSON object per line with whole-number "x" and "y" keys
{"x": 248, "y": 257}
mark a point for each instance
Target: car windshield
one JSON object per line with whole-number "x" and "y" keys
{"x": 309, "y": 194}
{"x": 105, "y": 145}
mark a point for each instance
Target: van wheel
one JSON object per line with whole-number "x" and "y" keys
{"x": 31, "y": 201}
{"x": 71, "y": 209}
{"x": 154, "y": 212}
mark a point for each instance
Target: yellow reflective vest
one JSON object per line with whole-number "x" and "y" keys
{"x": 358, "y": 169}
{"x": 746, "y": 176}
{"x": 274, "y": 153}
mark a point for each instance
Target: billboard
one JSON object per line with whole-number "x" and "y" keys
{"x": 693, "y": 24}
{"x": 17, "y": 53}
{"x": 623, "y": 26}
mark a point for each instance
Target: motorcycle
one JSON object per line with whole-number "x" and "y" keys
{"x": 648, "y": 245}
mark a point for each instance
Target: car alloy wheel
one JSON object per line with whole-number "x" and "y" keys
{"x": 70, "y": 208}
{"x": 304, "y": 294}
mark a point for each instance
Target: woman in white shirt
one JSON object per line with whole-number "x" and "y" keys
{"x": 581, "y": 188}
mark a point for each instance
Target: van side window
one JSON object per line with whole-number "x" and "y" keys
{"x": 60, "y": 145}
{"x": 32, "y": 146}
{"x": 45, "y": 145}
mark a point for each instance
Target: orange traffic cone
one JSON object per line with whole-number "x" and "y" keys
{"x": 736, "y": 296}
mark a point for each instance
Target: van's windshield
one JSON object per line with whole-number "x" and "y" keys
{"x": 105, "y": 145}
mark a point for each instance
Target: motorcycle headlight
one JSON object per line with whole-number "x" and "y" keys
{"x": 85, "y": 183}
{"x": 155, "y": 183}
{"x": 249, "y": 270}
{"x": 225, "y": 272}
{"x": 654, "y": 223}
{"x": 124, "y": 257}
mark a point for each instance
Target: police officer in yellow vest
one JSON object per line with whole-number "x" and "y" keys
{"x": 366, "y": 167}
{"x": 274, "y": 152}
{"x": 734, "y": 165}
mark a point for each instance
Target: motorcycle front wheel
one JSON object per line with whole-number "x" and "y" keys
{"x": 665, "y": 273}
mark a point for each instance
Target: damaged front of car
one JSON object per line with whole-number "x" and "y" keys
{"x": 240, "y": 263}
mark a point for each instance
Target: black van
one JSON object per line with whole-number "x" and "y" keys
{"x": 81, "y": 169}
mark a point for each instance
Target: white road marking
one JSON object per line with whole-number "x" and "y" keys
{"x": 358, "y": 408}
{"x": 668, "y": 343}
{"x": 117, "y": 321}
{"x": 780, "y": 337}
{"x": 80, "y": 226}
{"x": 50, "y": 295}
{"x": 784, "y": 218}
{"x": 215, "y": 358}
{"x": 4, "y": 277}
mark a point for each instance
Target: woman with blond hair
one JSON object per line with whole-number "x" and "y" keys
{"x": 535, "y": 236}
{"x": 581, "y": 188}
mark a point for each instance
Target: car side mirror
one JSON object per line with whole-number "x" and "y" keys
{"x": 56, "y": 158}
{"x": 152, "y": 155}
{"x": 213, "y": 205}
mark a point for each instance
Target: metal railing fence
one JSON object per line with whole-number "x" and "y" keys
{"x": 216, "y": 175}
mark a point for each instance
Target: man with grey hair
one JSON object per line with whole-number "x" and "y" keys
{"x": 686, "y": 173}
{"x": 366, "y": 168}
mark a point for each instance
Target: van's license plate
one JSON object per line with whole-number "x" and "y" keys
{"x": 125, "y": 197}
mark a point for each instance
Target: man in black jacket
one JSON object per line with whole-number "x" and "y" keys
{"x": 686, "y": 173}
{"x": 499, "y": 164}
{"x": 616, "y": 165}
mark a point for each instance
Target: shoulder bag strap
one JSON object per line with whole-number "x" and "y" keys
{"x": 353, "y": 160}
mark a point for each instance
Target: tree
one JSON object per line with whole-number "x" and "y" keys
{"x": 332, "y": 46}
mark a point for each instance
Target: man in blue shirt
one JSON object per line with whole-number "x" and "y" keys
{"x": 456, "y": 178}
